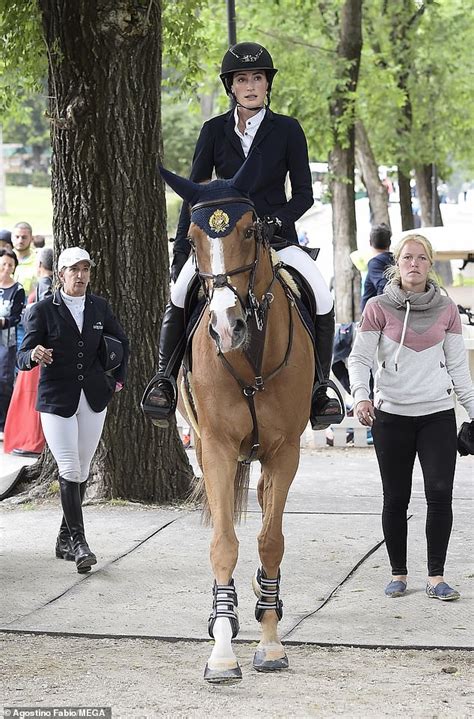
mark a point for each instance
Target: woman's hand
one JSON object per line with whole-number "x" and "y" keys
{"x": 118, "y": 386}
{"x": 365, "y": 412}
{"x": 42, "y": 356}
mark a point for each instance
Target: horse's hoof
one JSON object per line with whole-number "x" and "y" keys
{"x": 222, "y": 676}
{"x": 261, "y": 664}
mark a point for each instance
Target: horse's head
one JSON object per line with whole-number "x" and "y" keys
{"x": 227, "y": 242}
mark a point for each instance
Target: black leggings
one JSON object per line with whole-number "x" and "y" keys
{"x": 397, "y": 441}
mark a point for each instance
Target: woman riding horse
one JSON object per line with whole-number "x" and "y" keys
{"x": 247, "y": 73}
{"x": 252, "y": 375}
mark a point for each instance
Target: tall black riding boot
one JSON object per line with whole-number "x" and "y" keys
{"x": 64, "y": 549}
{"x": 161, "y": 395}
{"x": 324, "y": 410}
{"x": 72, "y": 508}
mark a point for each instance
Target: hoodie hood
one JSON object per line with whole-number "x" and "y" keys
{"x": 417, "y": 300}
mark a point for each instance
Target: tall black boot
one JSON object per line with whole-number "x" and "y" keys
{"x": 161, "y": 395}
{"x": 325, "y": 410}
{"x": 64, "y": 548}
{"x": 72, "y": 508}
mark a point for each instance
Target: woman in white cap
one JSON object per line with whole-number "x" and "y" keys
{"x": 64, "y": 335}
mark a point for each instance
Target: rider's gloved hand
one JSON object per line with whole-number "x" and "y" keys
{"x": 179, "y": 260}
{"x": 272, "y": 226}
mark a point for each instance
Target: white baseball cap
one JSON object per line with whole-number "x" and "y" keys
{"x": 71, "y": 255}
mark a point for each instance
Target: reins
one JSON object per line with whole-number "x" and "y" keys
{"x": 256, "y": 313}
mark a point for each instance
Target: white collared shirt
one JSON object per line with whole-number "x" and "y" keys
{"x": 76, "y": 307}
{"x": 251, "y": 127}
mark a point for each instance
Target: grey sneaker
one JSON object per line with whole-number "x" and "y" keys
{"x": 442, "y": 591}
{"x": 395, "y": 588}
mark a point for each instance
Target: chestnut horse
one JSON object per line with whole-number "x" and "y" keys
{"x": 251, "y": 383}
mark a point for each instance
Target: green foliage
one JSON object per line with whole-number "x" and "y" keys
{"x": 180, "y": 129}
{"x": 23, "y": 61}
{"x": 24, "y": 179}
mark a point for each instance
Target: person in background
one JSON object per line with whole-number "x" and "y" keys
{"x": 415, "y": 333}
{"x": 39, "y": 241}
{"x": 375, "y": 281}
{"x": 23, "y": 432}
{"x": 64, "y": 335}
{"x": 6, "y": 240}
{"x": 247, "y": 73}
{"x": 22, "y": 239}
{"x": 12, "y": 302}
{"x": 25, "y": 273}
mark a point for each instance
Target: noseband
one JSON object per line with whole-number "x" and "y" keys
{"x": 251, "y": 304}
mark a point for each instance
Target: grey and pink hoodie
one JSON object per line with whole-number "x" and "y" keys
{"x": 415, "y": 342}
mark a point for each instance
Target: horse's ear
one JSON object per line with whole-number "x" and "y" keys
{"x": 186, "y": 189}
{"x": 245, "y": 178}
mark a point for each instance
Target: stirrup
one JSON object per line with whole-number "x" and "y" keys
{"x": 323, "y": 421}
{"x": 269, "y": 590}
{"x": 159, "y": 415}
{"x": 224, "y": 605}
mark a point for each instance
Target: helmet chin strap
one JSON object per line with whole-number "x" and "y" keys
{"x": 259, "y": 107}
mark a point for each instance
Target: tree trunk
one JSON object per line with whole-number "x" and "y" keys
{"x": 341, "y": 161}
{"x": 365, "y": 160}
{"x": 406, "y": 210}
{"x": 428, "y": 203}
{"x": 105, "y": 89}
{"x": 431, "y": 214}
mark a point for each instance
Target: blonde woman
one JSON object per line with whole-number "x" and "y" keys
{"x": 415, "y": 333}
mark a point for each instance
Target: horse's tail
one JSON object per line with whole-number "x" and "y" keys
{"x": 241, "y": 491}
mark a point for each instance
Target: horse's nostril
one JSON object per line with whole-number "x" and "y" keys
{"x": 239, "y": 327}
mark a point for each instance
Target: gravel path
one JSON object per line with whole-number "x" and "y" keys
{"x": 147, "y": 679}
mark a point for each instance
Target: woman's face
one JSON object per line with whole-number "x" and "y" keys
{"x": 414, "y": 265}
{"x": 250, "y": 89}
{"x": 7, "y": 268}
{"x": 76, "y": 278}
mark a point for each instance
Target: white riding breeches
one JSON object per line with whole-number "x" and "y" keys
{"x": 73, "y": 440}
{"x": 293, "y": 256}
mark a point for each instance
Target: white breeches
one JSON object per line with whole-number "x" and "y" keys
{"x": 73, "y": 440}
{"x": 293, "y": 256}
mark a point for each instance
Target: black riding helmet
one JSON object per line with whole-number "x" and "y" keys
{"x": 243, "y": 57}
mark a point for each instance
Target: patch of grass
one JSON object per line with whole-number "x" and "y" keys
{"x": 28, "y": 506}
{"x": 53, "y": 488}
{"x": 118, "y": 502}
{"x": 28, "y": 204}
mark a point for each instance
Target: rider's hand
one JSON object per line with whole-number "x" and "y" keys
{"x": 179, "y": 260}
{"x": 272, "y": 226}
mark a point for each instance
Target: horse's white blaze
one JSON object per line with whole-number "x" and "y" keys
{"x": 222, "y": 655}
{"x": 223, "y": 298}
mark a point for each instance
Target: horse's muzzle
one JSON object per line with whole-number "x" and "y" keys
{"x": 229, "y": 335}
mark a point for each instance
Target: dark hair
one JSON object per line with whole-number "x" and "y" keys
{"x": 6, "y": 236}
{"x": 39, "y": 240}
{"x": 9, "y": 253}
{"x": 380, "y": 236}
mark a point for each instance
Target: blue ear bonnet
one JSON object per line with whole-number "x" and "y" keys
{"x": 217, "y": 206}
{"x": 219, "y": 218}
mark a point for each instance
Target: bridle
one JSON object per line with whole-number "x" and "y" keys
{"x": 210, "y": 282}
{"x": 256, "y": 312}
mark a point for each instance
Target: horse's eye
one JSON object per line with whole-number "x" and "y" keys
{"x": 248, "y": 233}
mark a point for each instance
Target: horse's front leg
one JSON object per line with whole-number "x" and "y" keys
{"x": 219, "y": 472}
{"x": 275, "y": 483}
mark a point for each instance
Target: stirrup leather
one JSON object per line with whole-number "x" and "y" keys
{"x": 269, "y": 595}
{"x": 149, "y": 409}
{"x": 224, "y": 605}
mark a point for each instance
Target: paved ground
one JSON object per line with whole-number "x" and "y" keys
{"x": 153, "y": 582}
